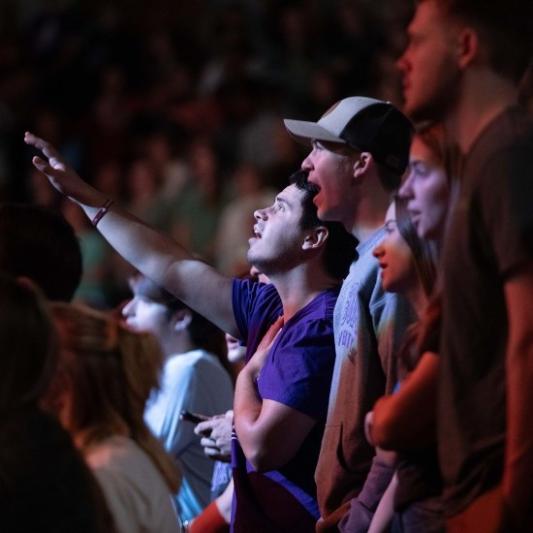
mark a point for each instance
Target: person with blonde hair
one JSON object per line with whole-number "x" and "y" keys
{"x": 106, "y": 374}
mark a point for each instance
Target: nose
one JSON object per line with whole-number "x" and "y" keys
{"x": 260, "y": 214}
{"x": 401, "y": 63}
{"x": 129, "y": 309}
{"x": 307, "y": 163}
{"x": 378, "y": 251}
{"x": 406, "y": 188}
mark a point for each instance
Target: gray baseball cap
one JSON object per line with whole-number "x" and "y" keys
{"x": 365, "y": 124}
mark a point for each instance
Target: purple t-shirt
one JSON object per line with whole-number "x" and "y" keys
{"x": 298, "y": 374}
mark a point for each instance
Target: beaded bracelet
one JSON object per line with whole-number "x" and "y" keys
{"x": 102, "y": 212}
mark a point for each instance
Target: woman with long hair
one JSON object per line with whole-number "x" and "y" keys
{"x": 45, "y": 485}
{"x": 106, "y": 374}
{"x": 406, "y": 420}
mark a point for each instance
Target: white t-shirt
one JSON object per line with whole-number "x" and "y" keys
{"x": 135, "y": 491}
{"x": 194, "y": 381}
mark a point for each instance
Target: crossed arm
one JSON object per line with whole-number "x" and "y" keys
{"x": 395, "y": 426}
{"x": 155, "y": 255}
{"x": 270, "y": 433}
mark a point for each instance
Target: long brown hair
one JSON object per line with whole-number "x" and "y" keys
{"x": 112, "y": 371}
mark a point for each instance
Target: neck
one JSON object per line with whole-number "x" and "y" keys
{"x": 300, "y": 285}
{"x": 484, "y": 95}
{"x": 175, "y": 343}
{"x": 417, "y": 298}
{"x": 371, "y": 209}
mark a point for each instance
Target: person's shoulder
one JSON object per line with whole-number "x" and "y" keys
{"x": 206, "y": 363}
{"x": 110, "y": 453}
{"x": 508, "y": 138}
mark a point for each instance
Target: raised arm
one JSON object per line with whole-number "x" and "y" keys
{"x": 155, "y": 255}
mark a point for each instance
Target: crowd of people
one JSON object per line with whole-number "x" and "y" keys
{"x": 381, "y": 346}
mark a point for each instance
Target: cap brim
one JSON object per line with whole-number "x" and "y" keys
{"x": 305, "y": 132}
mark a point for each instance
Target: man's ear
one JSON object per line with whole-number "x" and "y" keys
{"x": 362, "y": 164}
{"x": 181, "y": 320}
{"x": 468, "y": 48}
{"x": 316, "y": 238}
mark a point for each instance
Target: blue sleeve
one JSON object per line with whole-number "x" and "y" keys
{"x": 243, "y": 298}
{"x": 255, "y": 307}
{"x": 299, "y": 368}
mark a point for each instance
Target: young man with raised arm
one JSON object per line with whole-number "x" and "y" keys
{"x": 281, "y": 395}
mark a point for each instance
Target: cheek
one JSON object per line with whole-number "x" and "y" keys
{"x": 400, "y": 266}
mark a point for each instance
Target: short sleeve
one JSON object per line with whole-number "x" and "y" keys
{"x": 255, "y": 307}
{"x": 507, "y": 198}
{"x": 299, "y": 369}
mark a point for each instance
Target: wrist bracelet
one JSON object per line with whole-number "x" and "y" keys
{"x": 102, "y": 212}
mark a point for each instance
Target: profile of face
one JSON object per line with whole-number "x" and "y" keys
{"x": 332, "y": 172}
{"x": 426, "y": 191}
{"x": 395, "y": 259}
{"x": 144, "y": 314}
{"x": 429, "y": 65}
{"x": 278, "y": 239}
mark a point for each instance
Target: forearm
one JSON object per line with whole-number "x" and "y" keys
{"x": 148, "y": 251}
{"x": 518, "y": 472}
{"x": 385, "y": 510}
{"x": 363, "y": 506}
{"x": 394, "y": 426}
{"x": 247, "y": 409}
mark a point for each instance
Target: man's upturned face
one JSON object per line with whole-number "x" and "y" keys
{"x": 426, "y": 190}
{"x": 332, "y": 172}
{"x": 276, "y": 244}
{"x": 430, "y": 74}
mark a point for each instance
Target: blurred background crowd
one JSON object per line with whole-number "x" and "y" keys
{"x": 174, "y": 107}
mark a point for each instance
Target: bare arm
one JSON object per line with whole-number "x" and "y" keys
{"x": 394, "y": 425}
{"x": 385, "y": 510}
{"x": 155, "y": 255}
{"x": 262, "y": 424}
{"x": 518, "y": 472}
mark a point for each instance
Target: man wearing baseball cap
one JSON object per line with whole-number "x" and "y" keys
{"x": 359, "y": 152}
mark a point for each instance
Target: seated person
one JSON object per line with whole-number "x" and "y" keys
{"x": 193, "y": 380}
{"x": 45, "y": 485}
{"x": 39, "y": 244}
{"x": 281, "y": 395}
{"x": 105, "y": 376}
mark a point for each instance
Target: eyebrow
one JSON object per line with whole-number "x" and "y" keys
{"x": 283, "y": 201}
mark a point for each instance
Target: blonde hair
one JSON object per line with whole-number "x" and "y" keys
{"x": 112, "y": 371}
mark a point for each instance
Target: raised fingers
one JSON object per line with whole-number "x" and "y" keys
{"x": 46, "y": 148}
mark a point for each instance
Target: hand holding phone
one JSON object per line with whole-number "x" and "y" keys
{"x": 195, "y": 418}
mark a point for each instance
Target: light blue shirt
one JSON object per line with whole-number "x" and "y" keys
{"x": 194, "y": 381}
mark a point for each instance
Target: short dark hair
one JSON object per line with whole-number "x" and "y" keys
{"x": 506, "y": 30}
{"x": 340, "y": 251}
{"x": 40, "y": 244}
{"x": 203, "y": 333}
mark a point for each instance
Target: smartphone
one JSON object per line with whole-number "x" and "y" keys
{"x": 193, "y": 417}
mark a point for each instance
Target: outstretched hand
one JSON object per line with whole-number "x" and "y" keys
{"x": 62, "y": 177}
